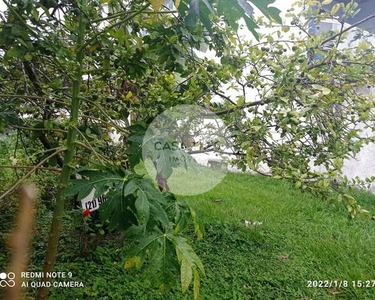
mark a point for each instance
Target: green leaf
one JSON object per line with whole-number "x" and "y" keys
{"x": 159, "y": 213}
{"x": 15, "y": 52}
{"x": 335, "y": 8}
{"x": 79, "y": 187}
{"x": 145, "y": 243}
{"x": 131, "y": 187}
{"x": 134, "y": 261}
{"x": 142, "y": 207}
{"x": 117, "y": 211}
{"x": 239, "y": 9}
{"x": 119, "y": 208}
{"x": 270, "y": 12}
{"x": 10, "y": 117}
{"x": 189, "y": 262}
{"x": 326, "y": 91}
{"x": 205, "y": 12}
{"x": 338, "y": 162}
{"x": 196, "y": 284}
{"x": 146, "y": 186}
{"x": 186, "y": 274}
{"x": 246, "y": 7}
{"x": 28, "y": 57}
{"x": 198, "y": 225}
{"x": 162, "y": 259}
{"x": 317, "y": 87}
{"x": 251, "y": 25}
{"x": 183, "y": 249}
{"x": 138, "y": 253}
{"x": 194, "y": 13}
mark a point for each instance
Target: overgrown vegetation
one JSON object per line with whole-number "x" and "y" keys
{"x": 73, "y": 72}
{"x": 301, "y": 238}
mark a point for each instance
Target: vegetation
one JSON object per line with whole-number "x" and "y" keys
{"x": 73, "y": 72}
{"x": 301, "y": 238}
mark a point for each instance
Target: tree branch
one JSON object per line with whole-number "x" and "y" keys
{"x": 29, "y": 173}
{"x": 39, "y": 129}
{"x": 347, "y": 29}
{"x": 224, "y": 96}
{"x": 29, "y": 167}
{"x": 233, "y": 109}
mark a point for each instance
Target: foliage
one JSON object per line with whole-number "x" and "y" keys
{"x": 5, "y": 174}
{"x": 315, "y": 108}
{"x": 240, "y": 262}
{"x": 73, "y": 73}
{"x": 131, "y": 56}
{"x": 150, "y": 217}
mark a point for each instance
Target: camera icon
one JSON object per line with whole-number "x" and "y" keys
{"x": 7, "y": 279}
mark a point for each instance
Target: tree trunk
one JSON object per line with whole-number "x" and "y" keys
{"x": 54, "y": 235}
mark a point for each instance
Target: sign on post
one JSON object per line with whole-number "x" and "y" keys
{"x": 91, "y": 203}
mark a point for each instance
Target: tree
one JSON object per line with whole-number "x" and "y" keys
{"x": 120, "y": 48}
{"x": 312, "y": 111}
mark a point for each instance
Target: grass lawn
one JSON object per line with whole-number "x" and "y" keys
{"x": 300, "y": 239}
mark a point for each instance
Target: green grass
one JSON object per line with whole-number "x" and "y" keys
{"x": 321, "y": 243}
{"x": 301, "y": 238}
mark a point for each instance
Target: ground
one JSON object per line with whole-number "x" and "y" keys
{"x": 296, "y": 238}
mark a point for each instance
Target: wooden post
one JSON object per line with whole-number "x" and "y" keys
{"x": 20, "y": 240}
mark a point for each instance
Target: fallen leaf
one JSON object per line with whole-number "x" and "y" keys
{"x": 254, "y": 223}
{"x": 284, "y": 256}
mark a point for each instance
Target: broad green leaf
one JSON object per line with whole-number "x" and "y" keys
{"x": 163, "y": 263}
{"x": 239, "y": 9}
{"x": 159, "y": 213}
{"x": 270, "y": 12}
{"x": 28, "y": 57}
{"x": 186, "y": 274}
{"x": 10, "y": 117}
{"x": 144, "y": 185}
{"x": 79, "y": 187}
{"x": 145, "y": 243}
{"x": 251, "y": 25}
{"x": 186, "y": 251}
{"x": 151, "y": 243}
{"x": 198, "y": 225}
{"x": 142, "y": 207}
{"x": 118, "y": 208}
{"x": 189, "y": 262}
{"x": 131, "y": 187}
{"x": 15, "y": 52}
{"x": 194, "y": 13}
{"x": 246, "y": 7}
